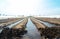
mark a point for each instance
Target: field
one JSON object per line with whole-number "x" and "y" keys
{"x": 22, "y": 28}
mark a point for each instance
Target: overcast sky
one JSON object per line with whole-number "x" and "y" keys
{"x": 30, "y": 7}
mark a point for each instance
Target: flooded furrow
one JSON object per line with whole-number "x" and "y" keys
{"x": 32, "y": 31}
{"x": 47, "y": 24}
{"x": 10, "y": 26}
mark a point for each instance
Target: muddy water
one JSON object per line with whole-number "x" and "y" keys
{"x": 32, "y": 31}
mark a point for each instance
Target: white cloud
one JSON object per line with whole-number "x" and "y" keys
{"x": 52, "y": 11}
{"x": 27, "y": 7}
{"x": 24, "y": 7}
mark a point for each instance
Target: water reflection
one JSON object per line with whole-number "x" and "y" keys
{"x": 32, "y": 31}
{"x": 48, "y": 24}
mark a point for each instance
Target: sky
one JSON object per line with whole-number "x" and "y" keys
{"x": 30, "y": 7}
